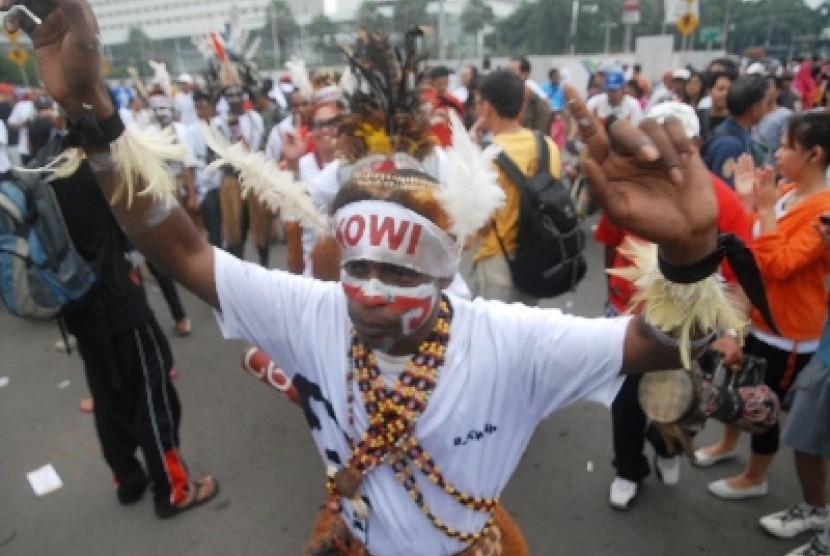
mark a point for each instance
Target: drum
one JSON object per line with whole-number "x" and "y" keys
{"x": 669, "y": 396}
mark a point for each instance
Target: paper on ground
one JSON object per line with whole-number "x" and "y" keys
{"x": 44, "y": 480}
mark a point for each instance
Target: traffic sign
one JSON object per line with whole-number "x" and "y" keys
{"x": 18, "y": 56}
{"x": 710, "y": 34}
{"x": 687, "y": 23}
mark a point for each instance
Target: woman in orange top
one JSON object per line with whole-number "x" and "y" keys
{"x": 793, "y": 262}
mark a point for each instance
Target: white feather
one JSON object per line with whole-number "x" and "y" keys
{"x": 276, "y": 188}
{"x": 299, "y": 76}
{"x": 347, "y": 82}
{"x": 250, "y": 53}
{"x": 472, "y": 192}
{"x": 161, "y": 76}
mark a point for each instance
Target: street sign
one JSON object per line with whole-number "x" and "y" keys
{"x": 631, "y": 12}
{"x": 18, "y": 56}
{"x": 675, "y": 9}
{"x": 709, "y": 34}
{"x": 687, "y": 24}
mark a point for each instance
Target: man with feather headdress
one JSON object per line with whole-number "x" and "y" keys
{"x": 420, "y": 403}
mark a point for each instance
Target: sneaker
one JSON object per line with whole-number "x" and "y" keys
{"x": 622, "y": 493}
{"x": 816, "y": 547}
{"x": 668, "y": 469}
{"x": 795, "y": 520}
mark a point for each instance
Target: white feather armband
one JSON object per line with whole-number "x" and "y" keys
{"x": 675, "y": 309}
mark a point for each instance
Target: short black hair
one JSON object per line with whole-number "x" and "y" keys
{"x": 439, "y": 71}
{"x": 524, "y": 63}
{"x": 745, "y": 92}
{"x": 199, "y": 95}
{"x": 811, "y": 129}
{"x": 505, "y": 91}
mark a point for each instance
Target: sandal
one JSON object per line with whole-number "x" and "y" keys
{"x": 199, "y": 492}
{"x": 183, "y": 327}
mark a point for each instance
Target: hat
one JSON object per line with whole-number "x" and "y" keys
{"x": 43, "y": 102}
{"x": 756, "y": 68}
{"x": 185, "y": 78}
{"x": 614, "y": 80}
{"x": 680, "y": 110}
{"x": 681, "y": 73}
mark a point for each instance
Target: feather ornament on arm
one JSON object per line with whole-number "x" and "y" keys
{"x": 259, "y": 175}
{"x": 676, "y": 309}
{"x": 472, "y": 192}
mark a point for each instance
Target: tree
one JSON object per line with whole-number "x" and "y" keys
{"x": 409, "y": 14}
{"x": 369, "y": 18}
{"x": 282, "y": 25}
{"x": 321, "y": 28}
{"x": 476, "y": 15}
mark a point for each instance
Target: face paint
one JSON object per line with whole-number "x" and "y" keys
{"x": 386, "y": 232}
{"x": 415, "y": 303}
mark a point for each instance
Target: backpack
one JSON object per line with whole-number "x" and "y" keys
{"x": 549, "y": 259}
{"x": 42, "y": 275}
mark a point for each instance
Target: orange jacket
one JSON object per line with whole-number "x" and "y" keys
{"x": 794, "y": 262}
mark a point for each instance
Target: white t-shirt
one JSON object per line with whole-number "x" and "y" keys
{"x": 273, "y": 146}
{"x": 507, "y": 367}
{"x": 628, "y": 109}
{"x": 5, "y": 163}
{"x": 199, "y": 156}
{"x": 22, "y": 113}
{"x": 185, "y": 108}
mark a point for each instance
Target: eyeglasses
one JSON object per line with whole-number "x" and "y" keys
{"x": 320, "y": 124}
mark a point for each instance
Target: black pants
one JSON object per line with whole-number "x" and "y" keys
{"x": 168, "y": 290}
{"x": 630, "y": 430}
{"x": 211, "y": 212}
{"x": 136, "y": 406}
{"x": 782, "y": 369}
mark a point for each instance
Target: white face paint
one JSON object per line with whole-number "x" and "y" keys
{"x": 415, "y": 304}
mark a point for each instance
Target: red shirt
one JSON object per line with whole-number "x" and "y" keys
{"x": 731, "y": 218}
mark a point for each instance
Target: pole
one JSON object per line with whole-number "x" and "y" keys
{"x": 574, "y": 15}
{"x": 726, "y": 24}
{"x": 273, "y": 16}
{"x": 441, "y": 43}
{"x": 627, "y": 38}
{"x": 608, "y": 26}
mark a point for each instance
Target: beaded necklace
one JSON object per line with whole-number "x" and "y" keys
{"x": 393, "y": 413}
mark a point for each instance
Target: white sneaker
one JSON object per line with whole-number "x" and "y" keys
{"x": 622, "y": 493}
{"x": 816, "y": 547}
{"x": 795, "y": 520}
{"x": 668, "y": 469}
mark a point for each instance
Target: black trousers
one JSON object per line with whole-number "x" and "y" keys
{"x": 630, "y": 429}
{"x": 136, "y": 406}
{"x": 170, "y": 293}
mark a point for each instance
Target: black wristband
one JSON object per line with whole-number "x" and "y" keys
{"x": 692, "y": 273}
{"x": 88, "y": 131}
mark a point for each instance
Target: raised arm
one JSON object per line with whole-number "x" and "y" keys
{"x": 652, "y": 183}
{"x": 68, "y": 53}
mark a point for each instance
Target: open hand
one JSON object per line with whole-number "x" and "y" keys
{"x": 67, "y": 50}
{"x": 651, "y": 182}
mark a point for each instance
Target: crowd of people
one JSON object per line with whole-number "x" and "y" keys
{"x": 746, "y": 144}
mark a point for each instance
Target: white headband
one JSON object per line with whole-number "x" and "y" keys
{"x": 390, "y": 233}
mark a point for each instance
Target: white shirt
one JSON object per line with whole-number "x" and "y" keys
{"x": 198, "y": 157}
{"x": 628, "y": 109}
{"x": 5, "y": 163}
{"x": 273, "y": 147}
{"x": 252, "y": 127}
{"x": 22, "y": 113}
{"x": 507, "y": 367}
{"x": 185, "y": 108}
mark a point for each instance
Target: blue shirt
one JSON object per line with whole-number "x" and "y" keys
{"x": 823, "y": 351}
{"x": 555, "y": 94}
{"x": 729, "y": 142}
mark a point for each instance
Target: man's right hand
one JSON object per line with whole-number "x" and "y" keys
{"x": 68, "y": 52}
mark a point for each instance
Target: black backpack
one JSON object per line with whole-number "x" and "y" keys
{"x": 549, "y": 260}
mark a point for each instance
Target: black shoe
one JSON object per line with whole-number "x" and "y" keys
{"x": 130, "y": 491}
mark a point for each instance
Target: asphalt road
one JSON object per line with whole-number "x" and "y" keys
{"x": 258, "y": 446}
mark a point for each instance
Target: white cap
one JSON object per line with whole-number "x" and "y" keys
{"x": 681, "y": 73}
{"x": 185, "y": 78}
{"x": 756, "y": 68}
{"x": 680, "y": 110}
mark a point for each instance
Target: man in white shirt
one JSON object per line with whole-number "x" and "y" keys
{"x": 391, "y": 374}
{"x": 183, "y": 104}
{"x": 23, "y": 113}
{"x": 614, "y": 101}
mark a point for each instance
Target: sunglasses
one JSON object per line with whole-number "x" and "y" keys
{"x": 320, "y": 124}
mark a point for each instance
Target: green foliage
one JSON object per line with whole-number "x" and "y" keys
{"x": 544, "y": 27}
{"x": 409, "y": 14}
{"x": 476, "y": 15}
{"x": 369, "y": 18}
{"x": 321, "y": 28}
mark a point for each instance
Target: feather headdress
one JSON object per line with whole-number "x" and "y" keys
{"x": 229, "y": 56}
